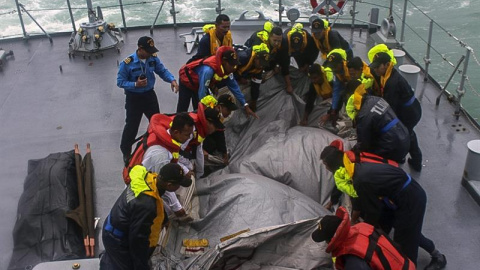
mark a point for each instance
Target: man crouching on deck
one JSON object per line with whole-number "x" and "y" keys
{"x": 132, "y": 229}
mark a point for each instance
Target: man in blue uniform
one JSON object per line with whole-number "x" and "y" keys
{"x": 136, "y": 76}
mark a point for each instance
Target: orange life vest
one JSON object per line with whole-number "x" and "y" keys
{"x": 363, "y": 241}
{"x": 368, "y": 157}
{"x": 156, "y": 135}
{"x": 189, "y": 77}
{"x": 200, "y": 127}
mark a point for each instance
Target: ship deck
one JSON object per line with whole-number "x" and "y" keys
{"x": 49, "y": 102}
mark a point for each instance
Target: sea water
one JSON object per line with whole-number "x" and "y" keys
{"x": 453, "y": 20}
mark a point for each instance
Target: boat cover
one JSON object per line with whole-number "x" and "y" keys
{"x": 42, "y": 232}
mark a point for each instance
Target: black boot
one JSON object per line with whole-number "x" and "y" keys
{"x": 416, "y": 165}
{"x": 126, "y": 160}
{"x": 438, "y": 262}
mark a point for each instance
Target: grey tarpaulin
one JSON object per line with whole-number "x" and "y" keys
{"x": 41, "y": 232}
{"x": 274, "y": 186}
{"x": 235, "y": 202}
{"x": 275, "y": 146}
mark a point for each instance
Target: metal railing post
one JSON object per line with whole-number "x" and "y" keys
{"x": 352, "y": 27}
{"x": 460, "y": 90}
{"x": 280, "y": 12}
{"x": 123, "y": 14}
{"x": 404, "y": 17}
{"x": 437, "y": 102}
{"x": 41, "y": 28}
{"x": 21, "y": 19}
{"x": 174, "y": 14}
{"x": 156, "y": 17}
{"x": 390, "y": 9}
{"x": 219, "y": 8}
{"x": 429, "y": 45}
{"x": 71, "y": 17}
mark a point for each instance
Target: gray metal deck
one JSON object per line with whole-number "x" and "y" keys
{"x": 44, "y": 110}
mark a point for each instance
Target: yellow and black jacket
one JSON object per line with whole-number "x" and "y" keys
{"x": 135, "y": 222}
{"x": 209, "y": 43}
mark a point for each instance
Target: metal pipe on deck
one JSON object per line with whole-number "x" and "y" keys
{"x": 219, "y": 8}
{"x": 123, "y": 14}
{"x": 429, "y": 45}
{"x": 390, "y": 9}
{"x": 41, "y": 28}
{"x": 71, "y": 17}
{"x": 21, "y": 19}
{"x": 352, "y": 26}
{"x": 437, "y": 102}
{"x": 174, "y": 14}
{"x": 156, "y": 17}
{"x": 460, "y": 90}
{"x": 404, "y": 17}
{"x": 280, "y": 12}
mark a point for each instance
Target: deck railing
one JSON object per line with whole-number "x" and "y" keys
{"x": 431, "y": 53}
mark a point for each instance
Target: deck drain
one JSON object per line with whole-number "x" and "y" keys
{"x": 459, "y": 128}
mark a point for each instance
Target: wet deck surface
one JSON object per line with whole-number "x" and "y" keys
{"x": 44, "y": 110}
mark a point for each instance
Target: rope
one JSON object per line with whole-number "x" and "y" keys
{"x": 474, "y": 56}
{"x": 475, "y": 92}
{"x": 8, "y": 12}
{"x": 373, "y": 4}
{"x": 461, "y": 42}
{"x": 426, "y": 42}
{"x": 82, "y": 8}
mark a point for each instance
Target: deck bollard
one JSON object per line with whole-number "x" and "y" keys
{"x": 399, "y": 55}
{"x": 410, "y": 73}
{"x": 471, "y": 173}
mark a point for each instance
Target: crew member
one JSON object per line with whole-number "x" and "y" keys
{"x": 252, "y": 63}
{"x": 163, "y": 139}
{"x": 216, "y": 35}
{"x": 328, "y": 39}
{"x": 387, "y": 196}
{"x": 299, "y": 44}
{"x": 270, "y": 35}
{"x": 337, "y": 63}
{"x": 136, "y": 76}
{"x": 358, "y": 247}
{"x": 360, "y": 71}
{"x": 379, "y": 131}
{"x": 131, "y": 231}
{"x": 399, "y": 94}
{"x": 321, "y": 85}
{"x": 214, "y": 146}
{"x": 200, "y": 76}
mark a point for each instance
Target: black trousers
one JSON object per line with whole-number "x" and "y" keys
{"x": 352, "y": 262}
{"x": 136, "y": 105}
{"x": 185, "y": 95}
{"x": 116, "y": 255}
{"x": 255, "y": 91}
{"x": 415, "y": 152}
{"x": 407, "y": 221}
{"x": 410, "y": 116}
